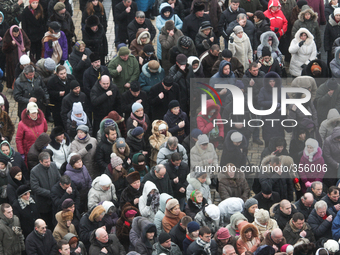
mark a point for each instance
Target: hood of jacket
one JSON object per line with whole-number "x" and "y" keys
{"x": 306, "y": 82}
{"x": 147, "y": 72}
{"x": 274, "y": 3}
{"x": 335, "y": 133}
{"x": 168, "y": 7}
{"x": 95, "y": 185}
{"x": 212, "y": 106}
{"x": 264, "y": 40}
{"x": 135, "y": 139}
{"x": 304, "y": 10}
{"x": 316, "y": 156}
{"x": 102, "y": 127}
{"x": 191, "y": 59}
{"x": 60, "y": 220}
{"x": 310, "y": 38}
{"x": 162, "y": 201}
{"x": 140, "y": 33}
{"x": 245, "y": 228}
{"x": 32, "y": 123}
{"x": 235, "y": 218}
{"x": 148, "y": 187}
{"x": 268, "y": 77}
{"x": 42, "y": 141}
{"x": 332, "y": 117}
{"x": 140, "y": 225}
{"x": 332, "y": 22}
{"x": 220, "y": 69}
{"x": 155, "y": 126}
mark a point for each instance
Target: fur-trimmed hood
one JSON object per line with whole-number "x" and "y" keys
{"x": 155, "y": 126}
{"x": 246, "y": 227}
{"x": 264, "y": 41}
{"x": 304, "y": 10}
{"x": 336, "y": 55}
{"x": 196, "y": 183}
{"x": 140, "y": 33}
{"x": 32, "y": 123}
{"x": 332, "y": 22}
{"x": 310, "y": 38}
{"x": 126, "y": 152}
{"x": 276, "y": 77}
{"x": 333, "y": 116}
{"x": 147, "y": 72}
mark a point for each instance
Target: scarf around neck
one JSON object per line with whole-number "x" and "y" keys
{"x": 57, "y": 51}
{"x": 204, "y": 245}
{"x": 18, "y": 41}
{"x": 80, "y": 120}
{"x": 140, "y": 121}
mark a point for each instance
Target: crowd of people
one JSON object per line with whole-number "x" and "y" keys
{"x": 124, "y": 169}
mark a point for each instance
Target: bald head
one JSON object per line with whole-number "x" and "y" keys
{"x": 286, "y": 207}
{"x": 229, "y": 250}
{"x": 276, "y": 233}
{"x": 39, "y": 222}
{"x": 100, "y": 232}
{"x": 307, "y": 199}
{"x": 105, "y": 82}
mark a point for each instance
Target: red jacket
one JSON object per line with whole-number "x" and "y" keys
{"x": 28, "y": 131}
{"x": 277, "y": 18}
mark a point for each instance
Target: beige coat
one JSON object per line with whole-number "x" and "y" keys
{"x": 61, "y": 229}
{"x": 241, "y": 49}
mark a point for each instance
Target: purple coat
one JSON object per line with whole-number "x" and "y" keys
{"x": 63, "y": 44}
{"x": 80, "y": 177}
{"x": 319, "y": 7}
{"x": 318, "y": 162}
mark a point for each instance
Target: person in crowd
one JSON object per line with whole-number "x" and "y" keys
{"x": 122, "y": 150}
{"x": 268, "y": 63}
{"x": 278, "y": 21}
{"x": 329, "y": 8}
{"x": 192, "y": 231}
{"x": 146, "y": 55}
{"x": 138, "y": 118}
{"x": 331, "y": 33}
{"x": 172, "y": 215}
{"x": 102, "y": 190}
{"x": 196, "y": 66}
{"x": 248, "y": 240}
{"x": 95, "y": 8}
{"x": 277, "y": 145}
{"x": 262, "y": 25}
{"x": 4, "y": 175}
{"x": 185, "y": 45}
{"x": 334, "y": 65}
{"x": 75, "y": 244}
{"x": 209, "y": 216}
{"x": 58, "y": 87}
{"x": 237, "y": 221}
{"x": 124, "y": 69}
{"x": 160, "y": 135}
{"x": 250, "y": 206}
{"x": 75, "y": 118}
{"x": 45, "y": 67}
{"x": 64, "y": 225}
{"x": 55, "y": 43}
{"x": 60, "y": 146}
{"x": 80, "y": 60}
{"x": 266, "y": 198}
{"x": 160, "y": 178}
{"x": 89, "y": 222}
{"x": 303, "y": 50}
{"x": 138, "y": 144}
{"x": 42, "y": 179}
{"x": 40, "y": 241}
{"x": 140, "y": 22}
{"x": 263, "y": 223}
{"x": 317, "y": 69}
{"x": 143, "y": 235}
{"x": 101, "y": 242}
{"x": 3, "y": 29}
{"x": 169, "y": 148}
{"x": 235, "y": 149}
{"x": 15, "y": 180}
{"x": 69, "y": 205}
{"x": 137, "y": 44}
{"x": 168, "y": 38}
{"x": 247, "y": 25}
{"x": 15, "y": 43}
{"x": 50, "y": 8}
{"x": 123, "y": 226}
{"x": 148, "y": 202}
{"x": 224, "y": 239}
{"x": 208, "y": 59}
{"x": 317, "y": 190}
{"x": 275, "y": 237}
{"x": 79, "y": 175}
{"x": 320, "y": 220}
{"x": 283, "y": 212}
{"x": 124, "y": 13}
{"x": 152, "y": 73}
{"x": 332, "y": 199}
{"x": 203, "y": 243}
{"x": 133, "y": 191}
{"x": 178, "y": 233}
{"x": 193, "y": 22}
{"x": 32, "y": 119}
{"x": 165, "y": 244}
{"x": 305, "y": 204}
{"x": 297, "y": 143}
{"x": 270, "y": 40}
{"x": 95, "y": 38}
{"x": 163, "y": 199}
{"x": 29, "y": 88}
{"x": 195, "y": 203}
{"x": 111, "y": 217}
{"x": 297, "y": 228}
{"x": 33, "y": 23}
{"x": 201, "y": 182}
{"x": 205, "y": 38}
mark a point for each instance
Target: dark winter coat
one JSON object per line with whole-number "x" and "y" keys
{"x": 325, "y": 72}
{"x": 103, "y": 152}
{"x": 78, "y": 65}
{"x": 34, "y": 28}
{"x": 55, "y": 85}
{"x": 256, "y": 87}
{"x": 332, "y": 31}
{"x": 123, "y": 19}
{"x": 192, "y": 23}
{"x": 282, "y": 218}
{"x": 32, "y": 157}
{"x": 207, "y": 61}
{"x": 178, "y": 49}
{"x": 96, "y": 12}
{"x": 181, "y": 172}
{"x": 300, "y": 207}
{"x": 236, "y": 66}
{"x": 325, "y": 102}
{"x": 265, "y": 203}
{"x": 163, "y": 185}
{"x": 203, "y": 42}
{"x": 178, "y": 234}
{"x": 137, "y": 145}
{"x": 12, "y": 12}
{"x": 96, "y": 41}
{"x": 52, "y": 3}
{"x": 251, "y": 6}
{"x": 233, "y": 154}
{"x": 226, "y": 18}
{"x": 260, "y": 28}
{"x": 194, "y": 247}
{"x": 172, "y": 120}
{"x": 128, "y": 100}
{"x": 90, "y": 77}
{"x": 58, "y": 195}
{"x": 233, "y": 187}
{"x": 331, "y": 204}
{"x": 273, "y": 142}
{"x": 41, "y": 245}
{"x": 12, "y": 186}
{"x": 113, "y": 246}
{"x": 129, "y": 194}
{"x": 320, "y": 227}
{"x": 191, "y": 208}
{"x": 133, "y": 26}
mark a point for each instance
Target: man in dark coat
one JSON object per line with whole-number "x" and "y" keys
{"x": 267, "y": 197}
{"x": 283, "y": 213}
{"x": 134, "y": 94}
{"x": 105, "y": 97}
{"x": 247, "y": 25}
{"x": 140, "y": 22}
{"x": 178, "y": 232}
{"x": 317, "y": 190}
{"x": 58, "y": 87}
{"x": 275, "y": 237}
{"x": 75, "y": 96}
{"x": 43, "y": 177}
{"x": 236, "y": 66}
{"x": 305, "y": 204}
{"x": 228, "y": 16}
{"x": 204, "y": 239}
{"x": 124, "y": 14}
{"x": 41, "y": 240}
{"x": 101, "y": 242}
{"x": 332, "y": 199}
{"x": 160, "y": 178}
{"x": 208, "y": 60}
{"x": 297, "y": 228}
{"x": 160, "y": 96}
{"x": 32, "y": 157}
{"x": 235, "y": 149}
{"x": 192, "y": 22}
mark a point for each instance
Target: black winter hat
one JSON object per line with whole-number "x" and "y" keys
{"x": 266, "y": 52}
{"x": 206, "y": 25}
{"x": 55, "y": 26}
{"x": 22, "y": 189}
{"x": 168, "y": 81}
{"x": 198, "y": 7}
{"x": 151, "y": 228}
{"x": 185, "y": 41}
{"x": 148, "y": 49}
{"x": 74, "y": 84}
{"x": 94, "y": 57}
{"x": 58, "y": 130}
{"x": 227, "y": 53}
{"x": 301, "y": 3}
{"x": 92, "y": 21}
{"x": 332, "y": 84}
{"x": 172, "y": 104}
{"x": 135, "y": 86}
{"x": 163, "y": 237}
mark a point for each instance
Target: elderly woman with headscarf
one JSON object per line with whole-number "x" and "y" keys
{"x": 14, "y": 44}
{"x": 75, "y": 118}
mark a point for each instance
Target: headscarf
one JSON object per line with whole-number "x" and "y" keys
{"x": 19, "y": 41}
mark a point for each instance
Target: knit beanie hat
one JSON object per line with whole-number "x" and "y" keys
{"x": 78, "y": 44}
{"x": 137, "y": 131}
{"x": 14, "y": 171}
{"x": 109, "y": 123}
{"x": 196, "y": 132}
{"x": 185, "y": 41}
{"x": 31, "y": 1}
{"x": 171, "y": 204}
{"x": 136, "y": 106}
{"x": 238, "y": 29}
{"x": 261, "y": 215}
{"x": 132, "y": 177}
{"x": 83, "y": 128}
{"x": 59, "y": 6}
{"x": 169, "y": 25}
{"x": 250, "y": 202}
{"x": 115, "y": 160}
{"x": 163, "y": 237}
{"x": 236, "y": 137}
{"x": 168, "y": 81}
{"x": 336, "y": 11}
{"x": 77, "y": 108}
{"x": 67, "y": 215}
{"x": 123, "y": 51}
{"x": 202, "y": 139}
{"x": 193, "y": 226}
{"x": 332, "y": 84}
{"x": 213, "y": 211}
{"x": 316, "y": 68}
{"x": 74, "y": 159}
{"x": 120, "y": 143}
{"x": 331, "y": 245}
{"x": 266, "y": 52}
{"x": 148, "y": 49}
{"x": 67, "y": 203}
{"x": 96, "y": 212}
{"x": 223, "y": 233}
{"x": 173, "y": 104}
{"x": 24, "y": 60}
{"x": 74, "y": 84}
{"x": 287, "y": 248}
{"x": 227, "y": 53}
{"x": 104, "y": 180}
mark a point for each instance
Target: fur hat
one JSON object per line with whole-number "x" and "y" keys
{"x": 96, "y": 212}
{"x": 153, "y": 66}
{"x": 92, "y": 21}
{"x": 115, "y": 160}
{"x": 198, "y": 7}
{"x": 57, "y": 131}
{"x": 132, "y": 177}
{"x": 336, "y": 11}
{"x": 173, "y": 104}
{"x": 67, "y": 215}
{"x": 104, "y": 180}
{"x": 171, "y": 204}
{"x": 169, "y": 25}
{"x": 59, "y": 6}
{"x": 331, "y": 245}
{"x": 22, "y": 190}
{"x": 250, "y": 202}
{"x": 312, "y": 142}
{"x": 261, "y": 215}
{"x": 74, "y": 159}
{"x": 266, "y": 52}
{"x": 94, "y": 57}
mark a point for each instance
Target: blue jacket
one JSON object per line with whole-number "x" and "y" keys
{"x": 336, "y": 227}
{"x": 148, "y": 79}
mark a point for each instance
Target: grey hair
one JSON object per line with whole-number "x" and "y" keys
{"x": 315, "y": 183}
{"x": 227, "y": 247}
{"x": 172, "y": 141}
{"x": 158, "y": 168}
{"x": 44, "y": 155}
{"x": 140, "y": 14}
{"x": 320, "y": 204}
{"x": 241, "y": 16}
{"x": 29, "y": 69}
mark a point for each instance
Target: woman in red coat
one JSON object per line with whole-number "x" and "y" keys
{"x": 32, "y": 124}
{"x": 278, "y": 21}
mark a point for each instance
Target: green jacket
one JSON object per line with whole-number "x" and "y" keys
{"x": 11, "y": 243}
{"x": 129, "y": 73}
{"x": 159, "y": 249}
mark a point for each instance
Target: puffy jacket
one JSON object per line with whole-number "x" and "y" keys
{"x": 78, "y": 65}
{"x": 97, "y": 194}
{"x": 335, "y": 64}
{"x": 199, "y": 157}
{"x": 80, "y": 177}
{"x": 274, "y": 48}
{"x": 62, "y": 229}
{"x": 60, "y": 150}
{"x": 148, "y": 79}
{"x": 203, "y": 187}
{"x": 233, "y": 187}
{"x": 235, "y": 219}
{"x": 320, "y": 227}
{"x": 241, "y": 49}
{"x": 328, "y": 125}
{"x": 41, "y": 245}
{"x": 164, "y": 153}
{"x": 277, "y": 18}
{"x": 157, "y": 248}
{"x": 144, "y": 209}
{"x": 160, "y": 213}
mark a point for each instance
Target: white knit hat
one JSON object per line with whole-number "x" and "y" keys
{"x": 336, "y": 11}
{"x": 104, "y": 180}
{"x": 236, "y": 137}
{"x": 313, "y": 143}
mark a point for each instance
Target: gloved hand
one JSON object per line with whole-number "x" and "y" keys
{"x": 303, "y": 66}
{"x": 74, "y": 123}
{"x": 231, "y": 39}
{"x": 23, "y": 156}
{"x": 88, "y": 147}
{"x": 276, "y": 29}
{"x": 301, "y": 43}
{"x": 148, "y": 202}
{"x": 50, "y": 43}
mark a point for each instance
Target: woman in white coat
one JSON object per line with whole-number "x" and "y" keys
{"x": 303, "y": 50}
{"x": 149, "y": 201}
{"x": 239, "y": 45}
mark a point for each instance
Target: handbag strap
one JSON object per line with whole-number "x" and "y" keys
{"x": 34, "y": 133}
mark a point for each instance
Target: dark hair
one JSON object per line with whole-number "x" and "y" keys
{"x": 4, "y": 206}
{"x": 15, "y": 29}
{"x": 215, "y": 47}
{"x": 332, "y": 189}
{"x": 204, "y": 230}
{"x": 108, "y": 129}
{"x": 298, "y": 216}
{"x": 61, "y": 243}
{"x": 185, "y": 220}
{"x": 65, "y": 179}
{"x": 176, "y": 156}
{"x": 235, "y": 1}
{"x": 252, "y": 65}
{"x": 280, "y": 142}
{"x": 60, "y": 68}
{"x": 44, "y": 155}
